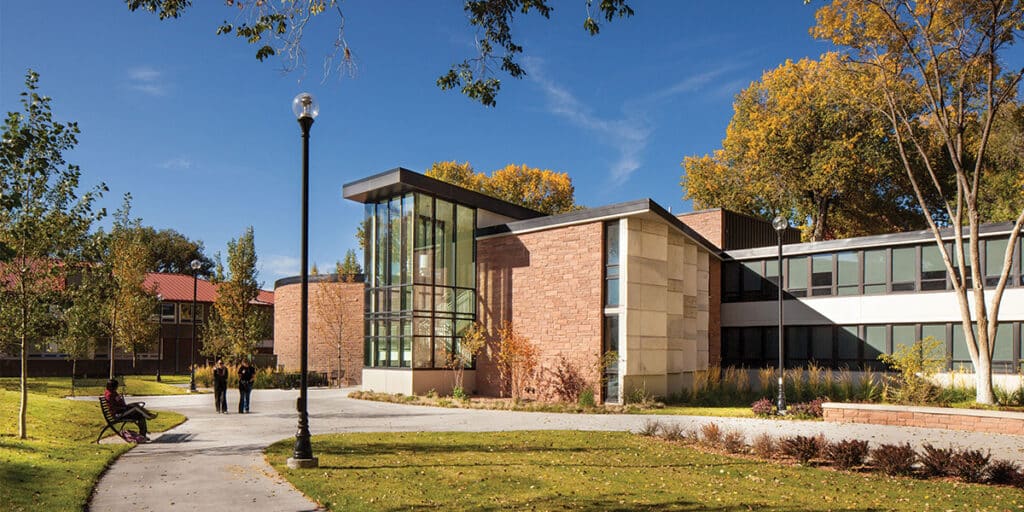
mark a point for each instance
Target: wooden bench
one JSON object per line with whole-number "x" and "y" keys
{"x": 115, "y": 422}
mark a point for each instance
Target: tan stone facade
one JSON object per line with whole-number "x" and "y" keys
{"x": 667, "y": 308}
{"x": 548, "y": 284}
{"x": 333, "y": 305}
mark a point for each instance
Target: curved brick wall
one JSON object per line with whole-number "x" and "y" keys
{"x": 323, "y": 354}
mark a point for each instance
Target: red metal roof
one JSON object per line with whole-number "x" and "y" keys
{"x": 178, "y": 287}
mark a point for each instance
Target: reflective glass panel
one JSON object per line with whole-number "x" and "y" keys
{"x": 903, "y": 269}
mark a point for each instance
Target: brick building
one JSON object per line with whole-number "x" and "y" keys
{"x": 335, "y": 336}
{"x": 668, "y": 295}
{"x": 169, "y": 354}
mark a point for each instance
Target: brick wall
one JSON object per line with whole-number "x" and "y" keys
{"x": 549, "y": 285}
{"x": 996, "y": 422}
{"x": 328, "y": 301}
{"x": 707, "y": 223}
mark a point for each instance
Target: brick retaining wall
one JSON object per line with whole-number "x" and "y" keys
{"x": 975, "y": 420}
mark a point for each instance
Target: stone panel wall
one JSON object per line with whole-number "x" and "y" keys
{"x": 328, "y": 301}
{"x": 549, "y": 285}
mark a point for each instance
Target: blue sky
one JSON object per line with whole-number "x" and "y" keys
{"x": 203, "y": 136}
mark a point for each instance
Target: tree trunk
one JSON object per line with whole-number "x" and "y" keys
{"x": 23, "y": 412}
{"x": 113, "y": 327}
{"x": 74, "y": 365}
{"x": 983, "y": 380}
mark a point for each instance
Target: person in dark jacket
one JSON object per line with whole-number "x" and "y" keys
{"x": 220, "y": 386}
{"x": 134, "y": 411}
{"x": 246, "y": 378}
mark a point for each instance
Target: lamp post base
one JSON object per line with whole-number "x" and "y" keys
{"x": 294, "y": 463}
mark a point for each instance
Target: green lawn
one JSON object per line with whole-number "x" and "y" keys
{"x": 58, "y": 465}
{"x": 684, "y": 410}
{"x": 571, "y": 470}
{"x": 59, "y": 387}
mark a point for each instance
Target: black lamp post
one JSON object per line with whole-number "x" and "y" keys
{"x": 195, "y": 264}
{"x": 780, "y": 224}
{"x": 159, "y": 341}
{"x": 306, "y": 109}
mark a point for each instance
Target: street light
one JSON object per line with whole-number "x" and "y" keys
{"x": 780, "y": 224}
{"x": 195, "y": 264}
{"x": 159, "y": 341}
{"x": 306, "y": 109}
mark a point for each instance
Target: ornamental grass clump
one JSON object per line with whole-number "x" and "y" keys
{"x": 802, "y": 448}
{"x": 894, "y": 459}
{"x": 672, "y": 432}
{"x": 847, "y": 454}
{"x": 650, "y": 428}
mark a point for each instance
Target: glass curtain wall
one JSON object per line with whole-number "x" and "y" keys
{"x": 421, "y": 291}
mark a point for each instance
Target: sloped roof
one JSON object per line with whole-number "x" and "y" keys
{"x": 178, "y": 287}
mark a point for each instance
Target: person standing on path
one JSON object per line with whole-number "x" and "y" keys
{"x": 246, "y": 375}
{"x": 220, "y": 386}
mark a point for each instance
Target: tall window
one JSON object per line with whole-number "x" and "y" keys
{"x": 421, "y": 293}
{"x": 874, "y": 271}
{"x": 903, "y": 269}
{"x": 797, "y": 276}
{"x": 821, "y": 274}
{"x": 611, "y": 264}
{"x": 933, "y": 270}
{"x": 995, "y": 250}
{"x": 848, "y": 270}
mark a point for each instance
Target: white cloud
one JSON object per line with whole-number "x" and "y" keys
{"x": 282, "y": 266}
{"x": 628, "y": 135}
{"x": 177, "y": 163}
{"x": 147, "y": 80}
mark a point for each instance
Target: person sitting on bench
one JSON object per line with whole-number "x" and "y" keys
{"x": 133, "y": 411}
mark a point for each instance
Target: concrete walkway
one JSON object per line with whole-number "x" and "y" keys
{"x": 215, "y": 460}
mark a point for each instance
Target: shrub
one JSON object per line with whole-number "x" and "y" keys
{"x": 672, "y": 432}
{"x": 691, "y": 436}
{"x": 650, "y": 428}
{"x": 802, "y": 448}
{"x": 969, "y": 465}
{"x": 734, "y": 442}
{"x": 764, "y": 446}
{"x": 711, "y": 434}
{"x": 1003, "y": 472}
{"x": 567, "y": 381}
{"x": 587, "y": 399}
{"x": 916, "y": 364}
{"x": 848, "y": 453}
{"x": 459, "y": 394}
{"x": 517, "y": 361}
{"x": 936, "y": 461}
{"x": 894, "y": 459}
{"x": 763, "y": 408}
{"x": 808, "y": 410}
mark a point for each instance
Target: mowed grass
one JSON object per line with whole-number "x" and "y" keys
{"x": 59, "y": 464}
{"x": 59, "y": 387}
{"x": 570, "y": 470}
{"x": 683, "y": 410}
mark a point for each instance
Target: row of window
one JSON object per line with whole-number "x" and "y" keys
{"x": 858, "y": 346}
{"x": 862, "y": 272}
{"x": 419, "y": 342}
{"x": 177, "y": 313}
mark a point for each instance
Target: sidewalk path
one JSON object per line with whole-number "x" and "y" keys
{"x": 215, "y": 460}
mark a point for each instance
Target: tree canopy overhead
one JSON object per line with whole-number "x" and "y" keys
{"x": 538, "y": 189}
{"x": 802, "y": 143}
{"x": 276, "y": 27}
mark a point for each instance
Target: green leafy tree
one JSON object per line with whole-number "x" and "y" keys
{"x": 802, "y": 142}
{"x": 237, "y": 325}
{"x": 939, "y": 76}
{"x": 172, "y": 252}
{"x": 542, "y": 190}
{"x": 44, "y": 224}
{"x": 82, "y": 319}
{"x": 348, "y": 269}
{"x": 277, "y": 28}
{"x": 130, "y": 304}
